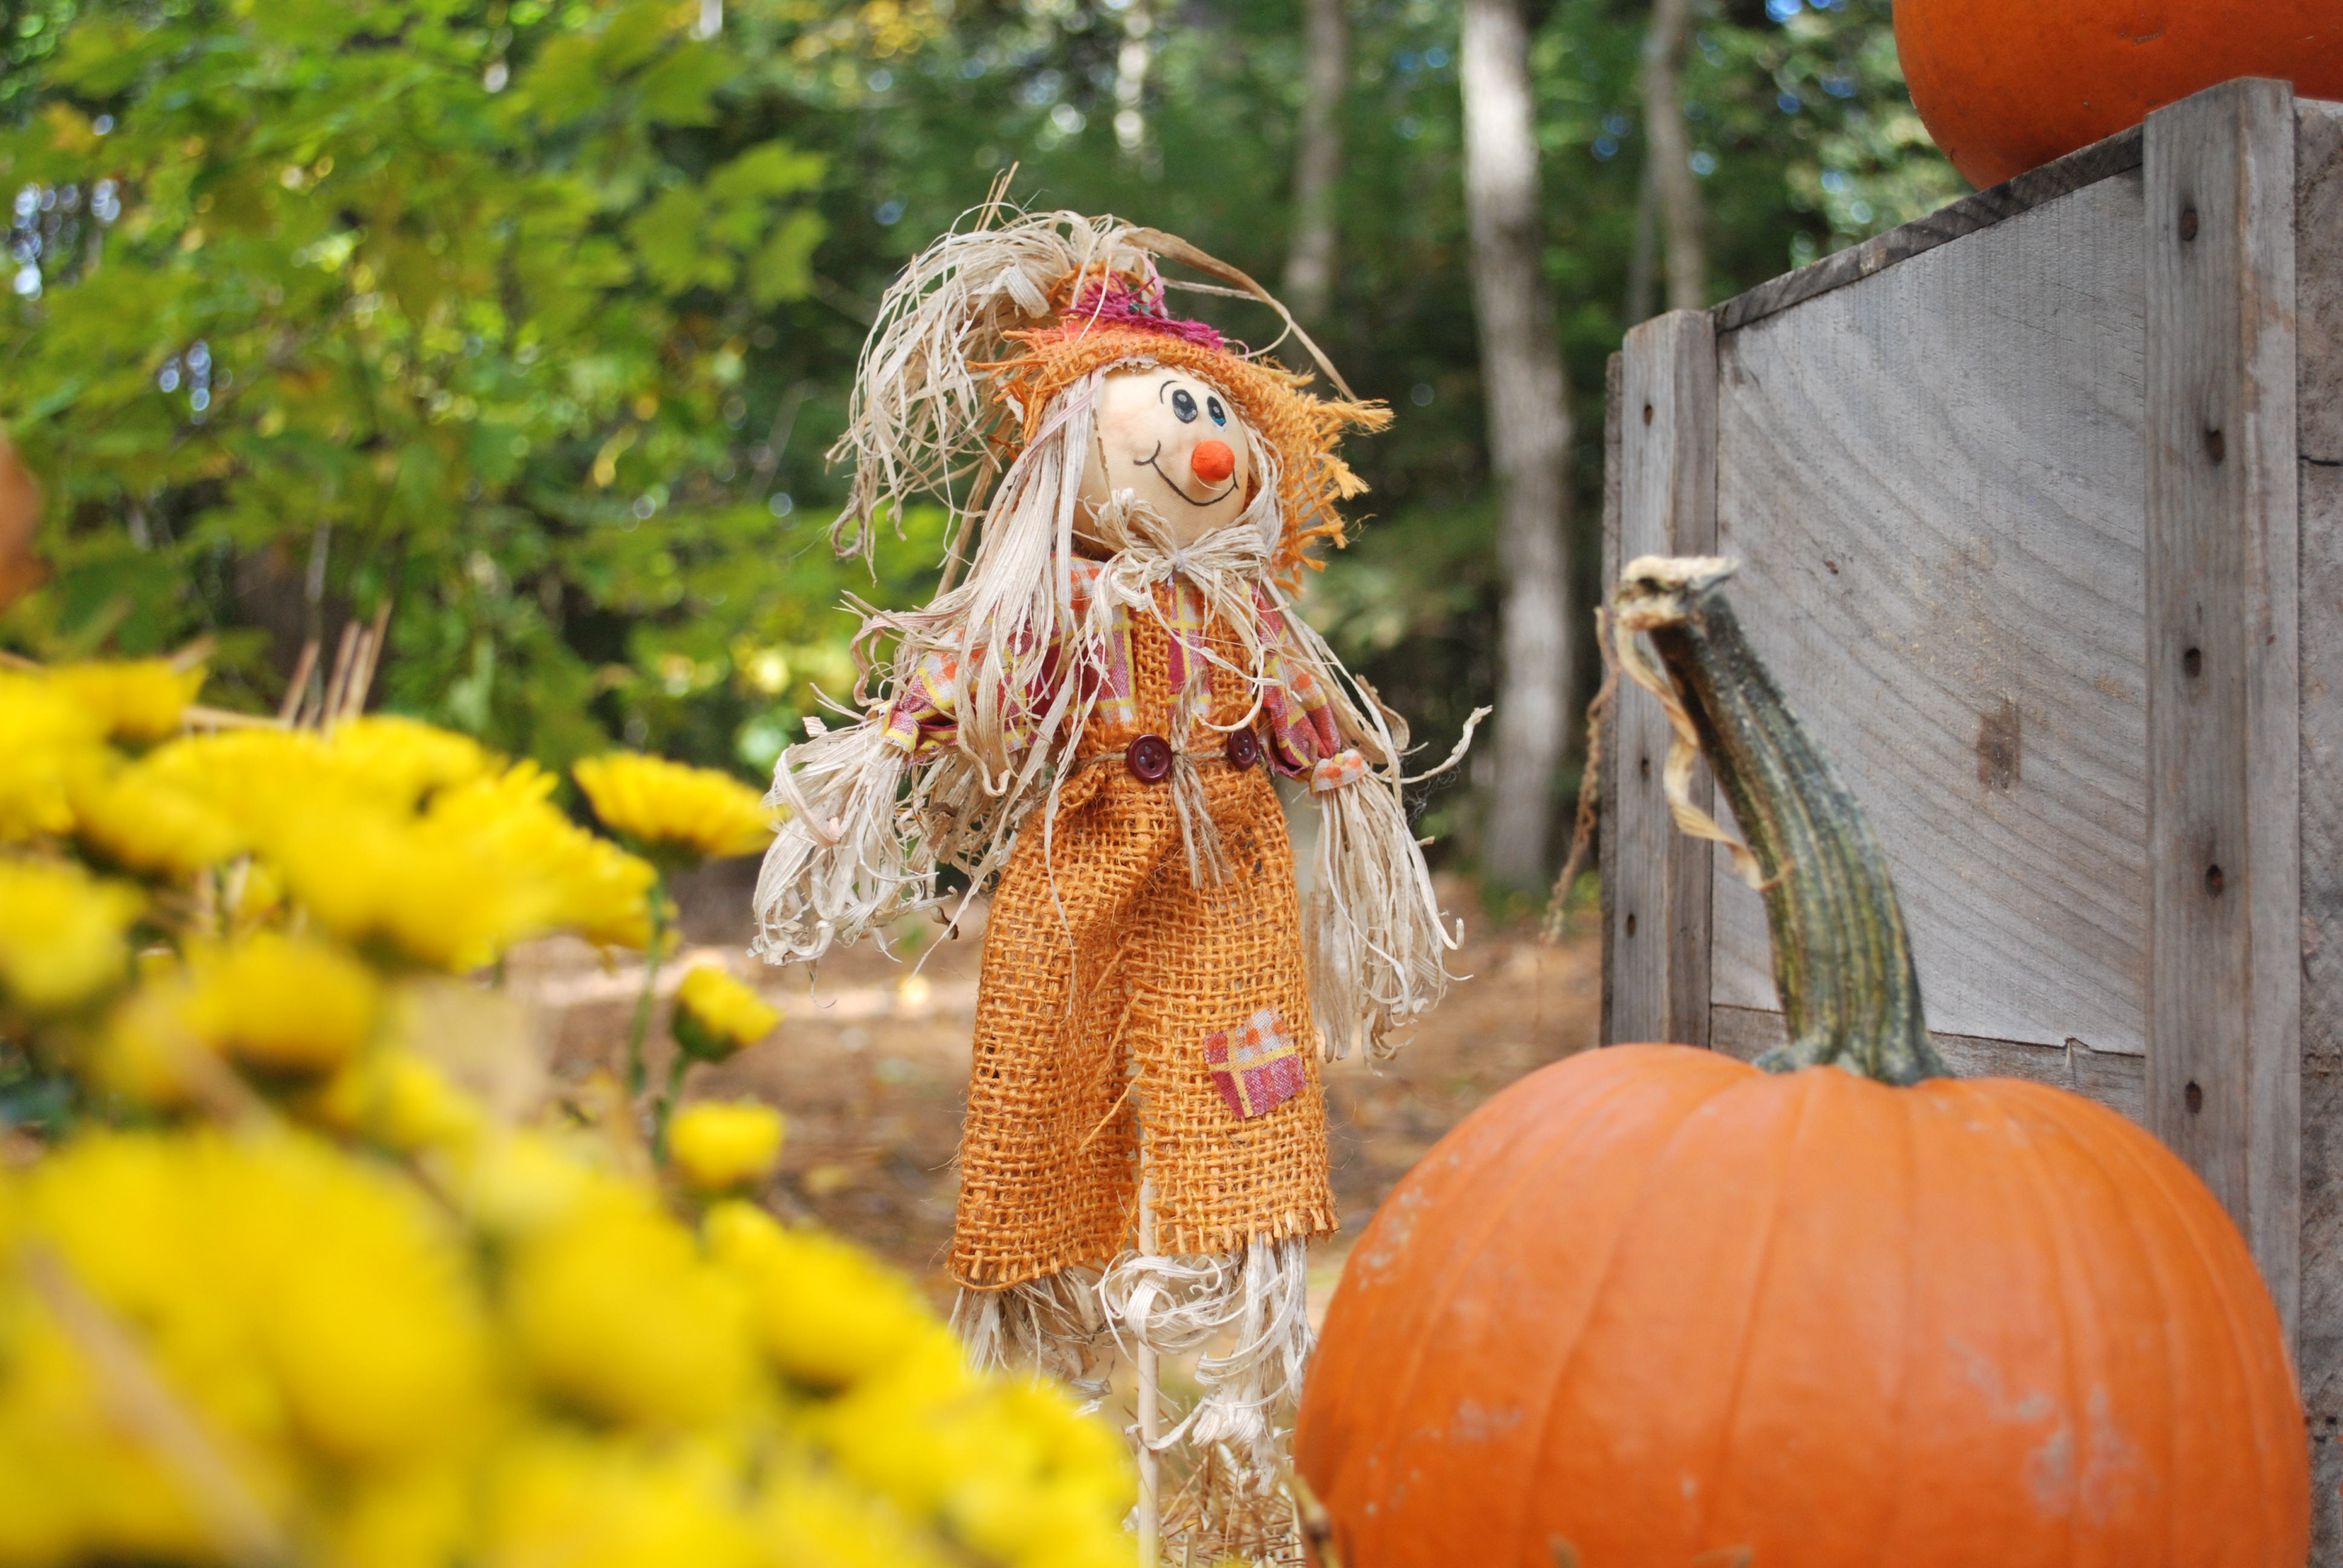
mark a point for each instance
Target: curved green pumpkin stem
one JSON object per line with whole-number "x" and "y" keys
{"x": 1841, "y": 961}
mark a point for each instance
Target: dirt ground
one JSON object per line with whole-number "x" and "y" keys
{"x": 870, "y": 1066}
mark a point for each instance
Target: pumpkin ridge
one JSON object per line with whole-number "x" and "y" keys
{"x": 1620, "y": 1087}
{"x": 1368, "y": 1444}
{"x": 2172, "y": 1187}
{"x": 2164, "y": 1292}
{"x": 1902, "y": 1466}
{"x": 1784, "y": 1152}
{"x": 1627, "y": 1229}
{"x": 2040, "y": 1193}
{"x": 2165, "y": 1289}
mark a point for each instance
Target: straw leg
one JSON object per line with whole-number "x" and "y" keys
{"x": 1150, "y": 1479}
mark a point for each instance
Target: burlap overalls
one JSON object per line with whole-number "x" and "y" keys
{"x": 1114, "y": 986}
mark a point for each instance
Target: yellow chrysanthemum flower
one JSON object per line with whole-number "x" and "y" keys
{"x": 144, "y": 822}
{"x": 672, "y": 809}
{"x": 404, "y": 1518}
{"x": 149, "y": 1054}
{"x": 399, "y": 1100}
{"x": 717, "y": 1145}
{"x": 405, "y": 757}
{"x": 717, "y": 1015}
{"x": 616, "y": 1314}
{"x": 391, "y": 1357}
{"x": 582, "y": 883}
{"x": 829, "y": 1521}
{"x": 61, "y": 933}
{"x": 282, "y": 1005}
{"x": 562, "y": 1499}
{"x": 300, "y": 1305}
{"x": 138, "y": 700}
{"x": 524, "y": 1183}
{"x": 45, "y": 738}
{"x": 487, "y": 863}
{"x": 825, "y": 1313}
{"x": 409, "y": 838}
{"x": 73, "y": 1486}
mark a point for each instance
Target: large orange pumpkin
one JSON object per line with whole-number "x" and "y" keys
{"x": 2006, "y": 86}
{"x": 1652, "y": 1305}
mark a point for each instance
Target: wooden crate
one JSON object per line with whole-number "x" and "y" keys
{"x": 2039, "y": 507}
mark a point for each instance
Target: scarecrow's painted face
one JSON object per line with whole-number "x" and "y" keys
{"x": 1175, "y": 441}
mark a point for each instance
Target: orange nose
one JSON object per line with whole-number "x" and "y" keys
{"x": 1214, "y": 462}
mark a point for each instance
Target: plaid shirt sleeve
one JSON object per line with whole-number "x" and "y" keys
{"x": 1302, "y": 738}
{"x": 925, "y": 714}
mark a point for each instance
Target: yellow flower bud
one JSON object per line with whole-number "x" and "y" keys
{"x": 717, "y": 1145}
{"x": 715, "y": 1015}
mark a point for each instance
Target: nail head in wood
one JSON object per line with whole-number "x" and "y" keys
{"x": 2216, "y": 448}
{"x": 2187, "y": 224}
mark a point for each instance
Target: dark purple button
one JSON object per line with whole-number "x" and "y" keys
{"x": 1150, "y": 758}
{"x": 1244, "y": 749}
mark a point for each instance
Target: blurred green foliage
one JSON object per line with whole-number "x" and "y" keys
{"x": 536, "y": 317}
{"x": 321, "y": 303}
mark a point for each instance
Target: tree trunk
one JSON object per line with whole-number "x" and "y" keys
{"x": 1318, "y": 160}
{"x": 1670, "y": 151}
{"x": 1639, "y": 255}
{"x": 1130, "y": 62}
{"x": 1529, "y": 437}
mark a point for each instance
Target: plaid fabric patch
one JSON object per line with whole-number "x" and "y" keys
{"x": 1335, "y": 771}
{"x": 1256, "y": 1066}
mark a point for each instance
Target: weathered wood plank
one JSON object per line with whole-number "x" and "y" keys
{"x": 2086, "y": 165}
{"x": 2118, "y": 1082}
{"x": 1658, "y": 916}
{"x": 2319, "y": 277}
{"x": 2224, "y": 1061}
{"x": 1932, "y": 480}
{"x": 2319, "y": 296}
{"x": 1606, "y": 765}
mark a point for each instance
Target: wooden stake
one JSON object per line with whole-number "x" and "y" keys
{"x": 1151, "y": 1552}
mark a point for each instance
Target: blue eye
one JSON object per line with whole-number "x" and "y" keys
{"x": 1212, "y": 406}
{"x": 1184, "y": 405}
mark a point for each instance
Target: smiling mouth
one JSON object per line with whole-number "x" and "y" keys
{"x": 1149, "y": 462}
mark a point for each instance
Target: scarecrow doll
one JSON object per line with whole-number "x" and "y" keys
{"x": 1087, "y": 719}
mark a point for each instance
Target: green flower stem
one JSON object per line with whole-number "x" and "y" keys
{"x": 665, "y": 1107}
{"x": 1841, "y": 961}
{"x": 638, "y": 1070}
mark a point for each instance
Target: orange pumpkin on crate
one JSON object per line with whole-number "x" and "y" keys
{"x": 1652, "y": 1305}
{"x": 2006, "y": 86}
